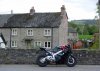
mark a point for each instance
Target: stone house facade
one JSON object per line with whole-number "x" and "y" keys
{"x": 32, "y": 30}
{"x": 72, "y": 34}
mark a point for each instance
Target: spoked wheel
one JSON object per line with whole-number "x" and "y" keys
{"x": 41, "y": 61}
{"x": 71, "y": 61}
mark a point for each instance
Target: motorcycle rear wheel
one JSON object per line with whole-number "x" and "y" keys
{"x": 71, "y": 61}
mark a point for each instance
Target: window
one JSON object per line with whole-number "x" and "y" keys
{"x": 14, "y": 32}
{"x": 47, "y": 44}
{"x": 13, "y": 43}
{"x": 37, "y": 44}
{"x": 30, "y": 32}
{"x": 47, "y": 32}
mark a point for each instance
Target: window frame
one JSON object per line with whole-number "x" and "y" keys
{"x": 37, "y": 43}
{"x": 29, "y": 32}
{"x": 47, "y": 44}
{"x": 47, "y": 32}
{"x": 13, "y": 43}
{"x": 14, "y": 32}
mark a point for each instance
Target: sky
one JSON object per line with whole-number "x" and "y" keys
{"x": 76, "y": 9}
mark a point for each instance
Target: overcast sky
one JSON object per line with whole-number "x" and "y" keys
{"x": 76, "y": 9}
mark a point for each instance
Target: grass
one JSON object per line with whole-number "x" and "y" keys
{"x": 85, "y": 36}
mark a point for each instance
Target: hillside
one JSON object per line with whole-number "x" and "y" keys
{"x": 87, "y": 21}
{"x": 86, "y": 27}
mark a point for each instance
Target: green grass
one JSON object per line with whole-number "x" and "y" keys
{"x": 85, "y": 36}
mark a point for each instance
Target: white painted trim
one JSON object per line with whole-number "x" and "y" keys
{"x": 47, "y": 44}
{"x": 31, "y": 32}
{"x": 15, "y": 44}
{"x": 14, "y": 32}
{"x": 35, "y": 43}
{"x": 48, "y": 33}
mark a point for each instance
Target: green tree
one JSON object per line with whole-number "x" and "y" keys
{"x": 86, "y": 29}
{"x": 94, "y": 29}
{"x": 98, "y": 7}
{"x": 72, "y": 24}
{"x": 78, "y": 30}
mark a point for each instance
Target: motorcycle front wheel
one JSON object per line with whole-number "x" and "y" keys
{"x": 71, "y": 61}
{"x": 41, "y": 61}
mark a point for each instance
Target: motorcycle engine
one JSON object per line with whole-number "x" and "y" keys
{"x": 50, "y": 58}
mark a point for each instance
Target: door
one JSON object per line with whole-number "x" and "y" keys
{"x": 28, "y": 44}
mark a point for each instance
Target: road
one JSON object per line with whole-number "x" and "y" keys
{"x": 49, "y": 68}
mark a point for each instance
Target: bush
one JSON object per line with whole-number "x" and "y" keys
{"x": 95, "y": 45}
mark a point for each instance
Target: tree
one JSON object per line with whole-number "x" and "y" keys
{"x": 98, "y": 7}
{"x": 99, "y": 20}
{"x": 72, "y": 24}
{"x": 97, "y": 41}
{"x": 78, "y": 30}
{"x": 86, "y": 29}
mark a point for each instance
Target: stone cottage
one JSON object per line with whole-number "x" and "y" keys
{"x": 72, "y": 34}
{"x": 32, "y": 30}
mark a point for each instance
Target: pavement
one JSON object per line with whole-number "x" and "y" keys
{"x": 49, "y": 68}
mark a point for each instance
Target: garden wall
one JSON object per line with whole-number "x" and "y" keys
{"x": 28, "y": 56}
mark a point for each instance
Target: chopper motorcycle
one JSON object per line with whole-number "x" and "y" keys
{"x": 57, "y": 55}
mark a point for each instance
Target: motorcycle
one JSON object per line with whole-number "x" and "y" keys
{"x": 57, "y": 55}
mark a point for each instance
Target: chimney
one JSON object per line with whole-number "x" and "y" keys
{"x": 98, "y": 2}
{"x": 63, "y": 10}
{"x": 11, "y": 11}
{"x": 32, "y": 11}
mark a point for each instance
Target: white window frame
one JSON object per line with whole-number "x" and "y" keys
{"x": 13, "y": 43}
{"x": 47, "y": 32}
{"x": 47, "y": 44}
{"x": 37, "y": 43}
{"x": 14, "y": 32}
{"x": 30, "y": 32}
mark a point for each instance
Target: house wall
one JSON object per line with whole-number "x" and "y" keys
{"x": 73, "y": 36}
{"x": 38, "y": 35}
{"x": 63, "y": 28}
{"x": 55, "y": 37}
{"x": 63, "y": 31}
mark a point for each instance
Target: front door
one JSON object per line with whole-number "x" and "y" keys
{"x": 28, "y": 44}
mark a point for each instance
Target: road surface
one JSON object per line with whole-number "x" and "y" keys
{"x": 49, "y": 68}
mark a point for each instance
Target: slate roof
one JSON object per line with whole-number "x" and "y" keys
{"x": 4, "y": 18}
{"x": 38, "y": 20}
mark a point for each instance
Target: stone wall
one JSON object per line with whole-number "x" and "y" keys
{"x": 17, "y": 56}
{"x": 87, "y": 57}
{"x": 28, "y": 56}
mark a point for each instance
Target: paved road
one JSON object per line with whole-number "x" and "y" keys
{"x": 49, "y": 68}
